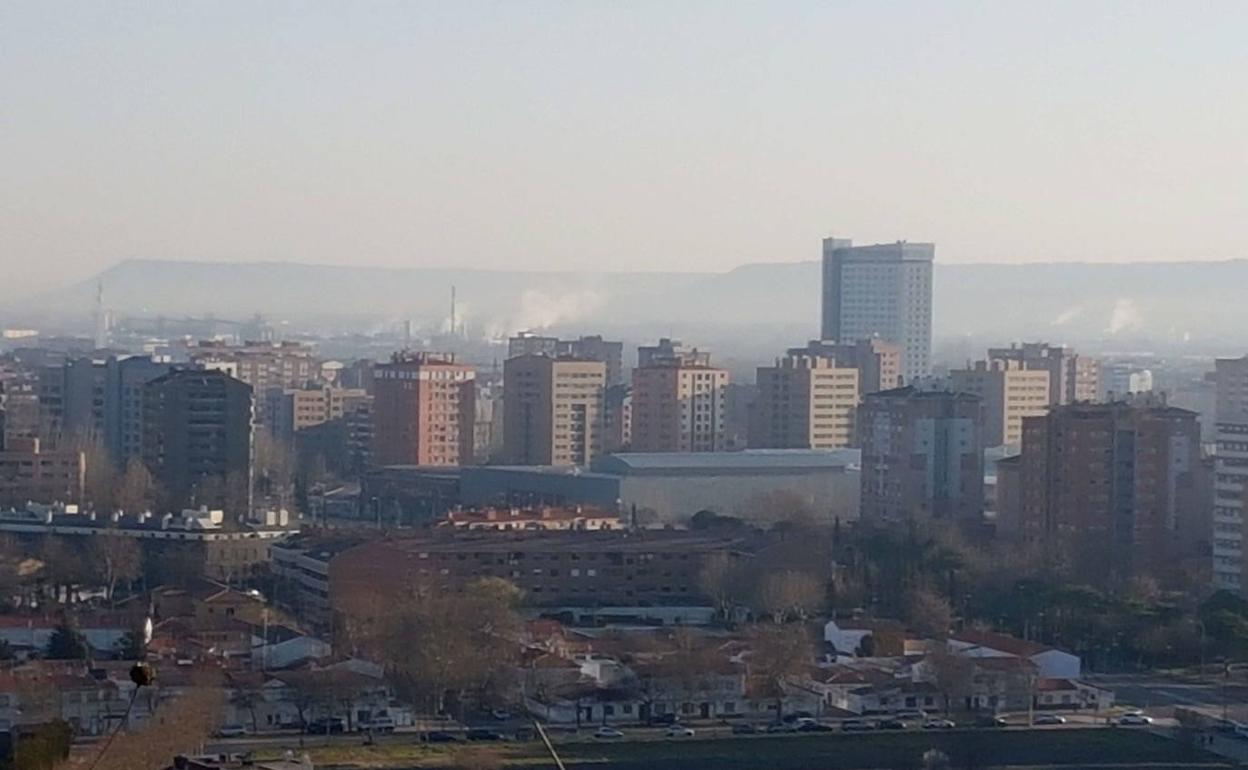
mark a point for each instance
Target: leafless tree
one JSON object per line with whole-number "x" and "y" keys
{"x": 788, "y": 595}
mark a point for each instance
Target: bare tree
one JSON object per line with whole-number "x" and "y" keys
{"x": 779, "y": 653}
{"x": 788, "y": 595}
{"x": 721, "y": 580}
{"x": 136, "y": 491}
{"x": 115, "y": 559}
{"x": 929, "y": 613}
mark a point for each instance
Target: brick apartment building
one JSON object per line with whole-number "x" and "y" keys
{"x": 424, "y": 410}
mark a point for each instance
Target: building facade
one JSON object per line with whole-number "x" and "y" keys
{"x": 262, "y": 365}
{"x": 921, "y": 456}
{"x": 1072, "y": 378}
{"x": 1009, "y": 392}
{"x": 678, "y": 401}
{"x": 1118, "y": 490}
{"x": 197, "y": 427}
{"x": 553, "y": 410}
{"x": 1230, "y": 512}
{"x": 805, "y": 402}
{"x": 882, "y": 291}
{"x": 878, "y": 362}
{"x": 424, "y": 410}
{"x": 589, "y": 348}
{"x": 28, "y": 473}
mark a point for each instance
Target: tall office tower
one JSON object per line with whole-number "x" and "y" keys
{"x": 882, "y": 291}
{"x": 424, "y": 408}
{"x": 1009, "y": 393}
{"x": 1072, "y": 378}
{"x": 1230, "y": 502}
{"x": 197, "y": 441}
{"x": 98, "y": 402}
{"x": 588, "y": 348}
{"x": 804, "y": 402}
{"x": 921, "y": 456}
{"x": 1117, "y": 490}
{"x": 553, "y": 410}
{"x": 878, "y": 362}
{"x": 678, "y": 401}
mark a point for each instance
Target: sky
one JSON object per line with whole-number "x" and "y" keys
{"x": 617, "y": 135}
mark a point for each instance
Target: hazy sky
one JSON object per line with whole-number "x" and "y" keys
{"x": 654, "y": 135}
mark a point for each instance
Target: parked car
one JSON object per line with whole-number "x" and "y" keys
{"x": 377, "y": 725}
{"x": 231, "y": 731}
{"x": 744, "y": 728}
{"x": 892, "y": 724}
{"x": 665, "y": 719}
{"x": 939, "y": 724}
{"x": 1135, "y": 720}
{"x": 607, "y": 733}
{"x": 781, "y": 727}
{"x": 1049, "y": 719}
{"x": 440, "y": 736}
{"x": 814, "y": 727}
{"x": 857, "y": 726}
{"x": 501, "y": 715}
{"x": 483, "y": 734}
{"x": 679, "y": 731}
{"x": 992, "y": 722}
{"x": 327, "y": 726}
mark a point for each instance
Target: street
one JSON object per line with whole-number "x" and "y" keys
{"x": 1159, "y": 695}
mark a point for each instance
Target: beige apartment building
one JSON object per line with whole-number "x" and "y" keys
{"x": 805, "y": 402}
{"x": 1009, "y": 392}
{"x": 553, "y": 410}
{"x": 678, "y": 401}
{"x": 1073, "y": 378}
{"x": 424, "y": 408}
{"x": 878, "y": 362}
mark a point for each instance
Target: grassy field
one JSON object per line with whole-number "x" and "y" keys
{"x": 897, "y": 751}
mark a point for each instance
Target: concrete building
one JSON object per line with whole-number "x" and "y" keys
{"x": 298, "y": 409}
{"x": 1072, "y": 378}
{"x": 589, "y": 348}
{"x": 805, "y": 402}
{"x": 882, "y": 291}
{"x": 197, "y": 427}
{"x": 617, "y": 419}
{"x": 1118, "y": 490}
{"x": 424, "y": 410}
{"x": 553, "y": 410}
{"x": 1009, "y": 392}
{"x": 28, "y": 473}
{"x": 922, "y": 456}
{"x": 678, "y": 401}
{"x": 1230, "y": 512}
{"x": 878, "y": 362}
{"x": 262, "y": 365}
{"x": 1121, "y": 380}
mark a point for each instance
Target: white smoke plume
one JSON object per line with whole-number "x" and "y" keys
{"x": 1068, "y": 315}
{"x": 539, "y": 310}
{"x": 1126, "y": 317}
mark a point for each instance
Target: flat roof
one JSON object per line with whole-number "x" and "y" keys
{"x": 772, "y": 460}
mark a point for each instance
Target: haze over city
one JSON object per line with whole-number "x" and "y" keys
{"x": 632, "y": 386}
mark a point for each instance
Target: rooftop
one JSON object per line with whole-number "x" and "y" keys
{"x": 748, "y": 460}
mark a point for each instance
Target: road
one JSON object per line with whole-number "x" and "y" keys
{"x": 1159, "y": 695}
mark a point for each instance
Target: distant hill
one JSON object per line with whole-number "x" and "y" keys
{"x": 1073, "y": 302}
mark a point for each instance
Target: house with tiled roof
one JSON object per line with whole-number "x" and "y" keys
{"x": 1050, "y": 662}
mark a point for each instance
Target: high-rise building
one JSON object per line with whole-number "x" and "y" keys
{"x": 1230, "y": 503}
{"x": 878, "y": 362}
{"x": 424, "y": 410}
{"x": 1117, "y": 490}
{"x": 553, "y": 410}
{"x": 30, "y": 473}
{"x": 197, "y": 440}
{"x": 678, "y": 400}
{"x": 589, "y": 348}
{"x": 1009, "y": 393}
{"x": 617, "y": 419}
{"x": 921, "y": 456}
{"x": 262, "y": 365}
{"x": 882, "y": 291}
{"x": 297, "y": 409}
{"x": 804, "y": 402}
{"x": 1072, "y": 378}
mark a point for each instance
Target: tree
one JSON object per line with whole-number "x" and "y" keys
{"x": 779, "y": 653}
{"x": 720, "y": 580}
{"x": 788, "y": 595}
{"x": 274, "y": 470}
{"x": 66, "y": 644}
{"x": 130, "y": 646}
{"x": 116, "y": 559}
{"x": 781, "y": 506}
{"x": 928, "y": 613}
{"x": 953, "y": 674}
{"x": 100, "y": 479}
{"x": 63, "y": 567}
{"x": 137, "y": 491}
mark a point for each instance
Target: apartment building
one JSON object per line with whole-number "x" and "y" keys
{"x": 805, "y": 402}
{"x": 424, "y": 410}
{"x": 1230, "y": 503}
{"x": 553, "y": 410}
{"x": 1009, "y": 391}
{"x": 878, "y": 362}
{"x": 921, "y": 456}
{"x": 678, "y": 401}
{"x": 262, "y": 365}
{"x": 587, "y": 347}
{"x": 29, "y": 473}
{"x": 1072, "y": 378}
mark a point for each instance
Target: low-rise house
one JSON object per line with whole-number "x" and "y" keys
{"x": 1050, "y": 662}
{"x": 866, "y": 638}
{"x": 1071, "y": 695}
